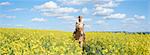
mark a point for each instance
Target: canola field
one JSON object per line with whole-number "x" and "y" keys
{"x": 51, "y": 42}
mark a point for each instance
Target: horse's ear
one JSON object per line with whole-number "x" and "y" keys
{"x": 80, "y": 17}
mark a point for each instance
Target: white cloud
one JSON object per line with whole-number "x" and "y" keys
{"x": 4, "y": 3}
{"x": 130, "y": 21}
{"x": 39, "y": 20}
{"x": 85, "y": 10}
{"x": 88, "y": 26}
{"x": 105, "y": 7}
{"x": 87, "y": 19}
{"x": 47, "y": 5}
{"x": 47, "y": 9}
{"x": 116, "y": 16}
{"x": 119, "y": 0}
{"x": 60, "y": 10}
{"x": 67, "y": 17}
{"x": 53, "y": 7}
{"x": 56, "y": 11}
{"x": 103, "y": 11}
{"x": 133, "y": 22}
{"x": 101, "y": 1}
{"x": 102, "y": 25}
{"x": 6, "y": 16}
{"x": 101, "y": 22}
{"x": 74, "y": 2}
{"x": 110, "y": 4}
{"x": 59, "y": 15}
{"x": 65, "y": 10}
{"x": 17, "y": 9}
{"x": 52, "y": 14}
{"x": 139, "y": 17}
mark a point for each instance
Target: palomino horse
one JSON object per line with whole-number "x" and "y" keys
{"x": 79, "y": 34}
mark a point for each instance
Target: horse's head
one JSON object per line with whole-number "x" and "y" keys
{"x": 79, "y": 24}
{"x": 80, "y": 19}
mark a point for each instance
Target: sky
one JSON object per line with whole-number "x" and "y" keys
{"x": 99, "y": 15}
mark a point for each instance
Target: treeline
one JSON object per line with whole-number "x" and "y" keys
{"x": 123, "y": 32}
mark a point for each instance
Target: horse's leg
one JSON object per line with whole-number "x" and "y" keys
{"x": 81, "y": 39}
{"x": 81, "y": 43}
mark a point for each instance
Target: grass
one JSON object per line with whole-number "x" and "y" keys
{"x": 50, "y": 42}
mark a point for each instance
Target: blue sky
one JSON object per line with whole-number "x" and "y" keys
{"x": 99, "y": 15}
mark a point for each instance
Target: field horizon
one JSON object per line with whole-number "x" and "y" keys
{"x": 85, "y": 31}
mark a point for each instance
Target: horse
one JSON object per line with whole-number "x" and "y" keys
{"x": 79, "y": 34}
